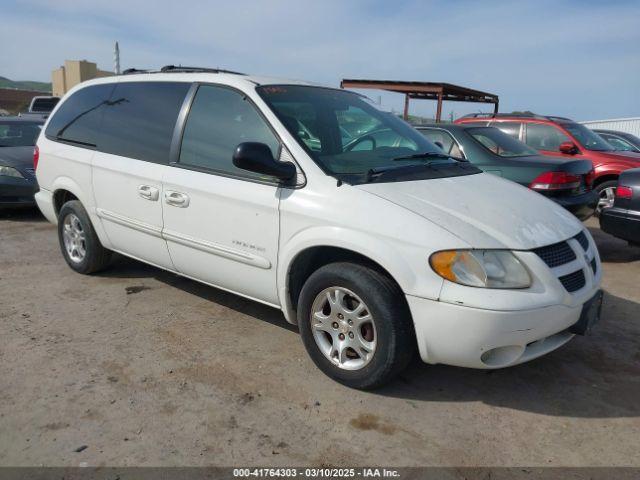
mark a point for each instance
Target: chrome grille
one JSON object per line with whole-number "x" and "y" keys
{"x": 556, "y": 254}
{"x": 574, "y": 281}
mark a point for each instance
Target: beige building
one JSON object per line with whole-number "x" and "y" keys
{"x": 72, "y": 73}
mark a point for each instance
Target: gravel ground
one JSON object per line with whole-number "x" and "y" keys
{"x": 136, "y": 366}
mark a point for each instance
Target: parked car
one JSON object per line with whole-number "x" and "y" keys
{"x": 373, "y": 251}
{"x": 17, "y": 177}
{"x": 622, "y": 220}
{"x": 558, "y": 135}
{"x": 43, "y": 104}
{"x": 621, "y": 141}
{"x": 566, "y": 182}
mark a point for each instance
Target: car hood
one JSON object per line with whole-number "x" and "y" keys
{"x": 632, "y": 157}
{"x": 483, "y": 210}
{"x": 17, "y": 157}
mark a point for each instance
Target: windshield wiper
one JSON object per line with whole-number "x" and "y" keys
{"x": 416, "y": 156}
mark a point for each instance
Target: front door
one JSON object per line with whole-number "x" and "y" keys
{"x": 221, "y": 223}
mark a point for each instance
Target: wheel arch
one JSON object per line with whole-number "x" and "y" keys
{"x": 313, "y": 249}
{"x": 65, "y": 189}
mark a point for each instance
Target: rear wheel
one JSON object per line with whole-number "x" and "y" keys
{"x": 79, "y": 243}
{"x": 606, "y": 193}
{"x": 355, "y": 325}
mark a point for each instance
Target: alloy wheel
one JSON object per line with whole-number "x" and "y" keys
{"x": 343, "y": 328}
{"x": 74, "y": 238}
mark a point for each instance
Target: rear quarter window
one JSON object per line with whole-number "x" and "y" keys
{"x": 78, "y": 118}
{"x": 139, "y": 120}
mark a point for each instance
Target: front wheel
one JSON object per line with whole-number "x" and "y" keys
{"x": 355, "y": 325}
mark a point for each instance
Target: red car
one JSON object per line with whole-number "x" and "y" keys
{"x": 558, "y": 135}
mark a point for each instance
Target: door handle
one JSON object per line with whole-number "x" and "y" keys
{"x": 148, "y": 192}
{"x": 177, "y": 199}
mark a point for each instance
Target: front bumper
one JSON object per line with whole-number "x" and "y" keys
{"x": 621, "y": 223}
{"x": 478, "y": 338}
{"x": 16, "y": 192}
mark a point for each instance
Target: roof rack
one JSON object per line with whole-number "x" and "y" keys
{"x": 180, "y": 69}
{"x": 517, "y": 115}
{"x": 129, "y": 71}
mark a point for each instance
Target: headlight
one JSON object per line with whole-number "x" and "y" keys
{"x": 481, "y": 268}
{"x": 9, "y": 172}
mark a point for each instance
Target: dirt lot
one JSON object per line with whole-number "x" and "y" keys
{"x": 146, "y": 368}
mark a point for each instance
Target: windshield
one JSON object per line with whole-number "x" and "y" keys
{"x": 498, "y": 142}
{"x": 588, "y": 138}
{"x": 345, "y": 134}
{"x": 19, "y": 134}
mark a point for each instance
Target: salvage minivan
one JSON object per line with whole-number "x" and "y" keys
{"x": 374, "y": 245}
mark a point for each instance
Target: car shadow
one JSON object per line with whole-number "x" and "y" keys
{"x": 124, "y": 267}
{"x": 596, "y": 376}
{"x": 612, "y": 249}
{"x": 21, "y": 214}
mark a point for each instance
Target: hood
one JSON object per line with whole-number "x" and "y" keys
{"x": 483, "y": 210}
{"x": 17, "y": 157}
{"x": 627, "y": 157}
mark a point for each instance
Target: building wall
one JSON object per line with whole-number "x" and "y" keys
{"x": 72, "y": 73}
{"x": 628, "y": 125}
{"x": 15, "y": 101}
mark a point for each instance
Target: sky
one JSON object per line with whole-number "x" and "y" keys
{"x": 574, "y": 58}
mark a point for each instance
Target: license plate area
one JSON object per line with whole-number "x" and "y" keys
{"x": 589, "y": 316}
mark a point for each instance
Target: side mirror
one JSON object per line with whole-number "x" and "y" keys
{"x": 568, "y": 148}
{"x": 257, "y": 157}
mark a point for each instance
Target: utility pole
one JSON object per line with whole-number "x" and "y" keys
{"x": 116, "y": 59}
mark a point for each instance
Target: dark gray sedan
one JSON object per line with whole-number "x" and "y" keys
{"x": 621, "y": 141}
{"x": 622, "y": 220}
{"x": 18, "y": 137}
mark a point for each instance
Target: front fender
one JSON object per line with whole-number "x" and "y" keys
{"x": 388, "y": 254}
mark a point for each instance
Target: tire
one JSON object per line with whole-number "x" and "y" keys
{"x": 86, "y": 255}
{"x": 600, "y": 189}
{"x": 390, "y": 333}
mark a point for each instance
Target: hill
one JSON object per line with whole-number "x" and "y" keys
{"x": 25, "y": 85}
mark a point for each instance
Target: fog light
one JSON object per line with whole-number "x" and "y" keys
{"x": 502, "y": 356}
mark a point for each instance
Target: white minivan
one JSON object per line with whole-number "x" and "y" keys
{"x": 311, "y": 200}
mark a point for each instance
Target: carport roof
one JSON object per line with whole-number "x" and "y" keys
{"x": 425, "y": 91}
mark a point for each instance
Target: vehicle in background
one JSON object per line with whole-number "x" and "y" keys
{"x": 377, "y": 245}
{"x": 622, "y": 220}
{"x": 566, "y": 182}
{"x": 18, "y": 137}
{"x": 621, "y": 141}
{"x": 561, "y": 136}
{"x": 43, "y": 104}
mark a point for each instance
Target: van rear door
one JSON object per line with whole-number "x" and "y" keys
{"x": 133, "y": 149}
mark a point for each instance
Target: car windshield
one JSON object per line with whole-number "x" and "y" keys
{"x": 19, "y": 134}
{"x": 498, "y": 142}
{"x": 588, "y": 138}
{"x": 345, "y": 134}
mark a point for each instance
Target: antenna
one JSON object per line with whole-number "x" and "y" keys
{"x": 116, "y": 59}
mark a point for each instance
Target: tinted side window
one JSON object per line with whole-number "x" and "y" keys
{"x": 139, "y": 120}
{"x": 544, "y": 137}
{"x": 220, "y": 119}
{"x": 78, "y": 118}
{"x": 444, "y": 138}
{"x": 510, "y": 128}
